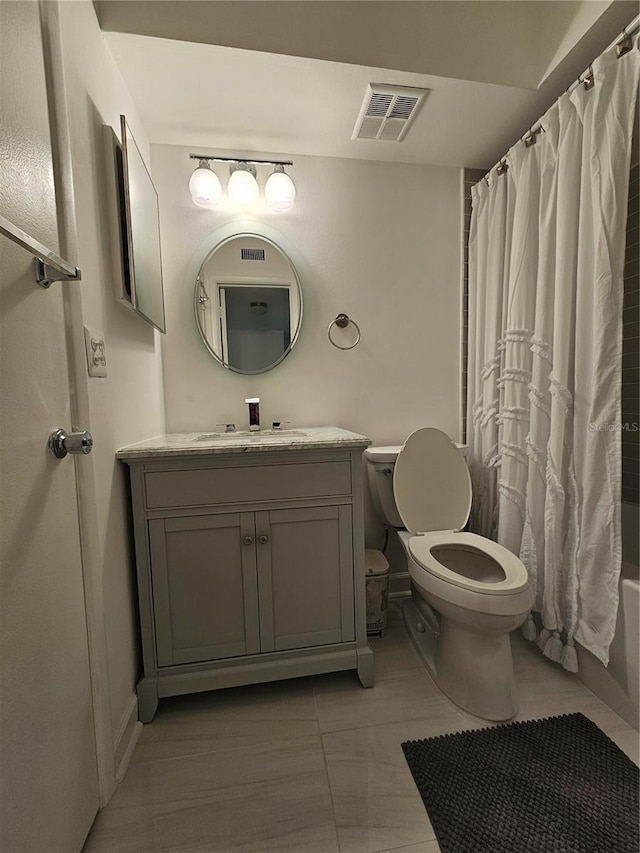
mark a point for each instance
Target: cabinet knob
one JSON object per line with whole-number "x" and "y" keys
{"x": 263, "y": 539}
{"x": 248, "y": 540}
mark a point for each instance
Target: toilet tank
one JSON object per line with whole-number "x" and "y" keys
{"x": 380, "y": 462}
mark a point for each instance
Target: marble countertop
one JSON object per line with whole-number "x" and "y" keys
{"x": 207, "y": 443}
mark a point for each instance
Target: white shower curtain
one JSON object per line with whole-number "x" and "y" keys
{"x": 546, "y": 252}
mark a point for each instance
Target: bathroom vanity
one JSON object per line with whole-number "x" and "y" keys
{"x": 250, "y": 558}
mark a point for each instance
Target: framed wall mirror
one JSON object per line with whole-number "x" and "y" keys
{"x": 144, "y": 266}
{"x": 135, "y": 226}
{"x": 248, "y": 303}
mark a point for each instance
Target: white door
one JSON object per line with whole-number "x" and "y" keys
{"x": 48, "y": 772}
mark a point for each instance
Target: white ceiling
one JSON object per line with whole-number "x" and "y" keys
{"x": 294, "y": 85}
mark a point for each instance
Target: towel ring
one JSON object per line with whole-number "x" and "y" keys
{"x": 342, "y": 321}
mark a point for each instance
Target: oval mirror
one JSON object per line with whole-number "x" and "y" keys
{"x": 248, "y": 303}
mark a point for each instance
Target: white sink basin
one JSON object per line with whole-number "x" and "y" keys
{"x": 255, "y": 435}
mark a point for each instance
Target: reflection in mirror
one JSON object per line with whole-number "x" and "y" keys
{"x": 248, "y": 304}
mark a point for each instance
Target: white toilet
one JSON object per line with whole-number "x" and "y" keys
{"x": 467, "y": 592}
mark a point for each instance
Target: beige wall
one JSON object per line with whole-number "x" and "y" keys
{"x": 380, "y": 242}
{"x": 128, "y": 404}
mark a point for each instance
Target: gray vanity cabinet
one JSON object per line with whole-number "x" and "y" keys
{"x": 241, "y": 583}
{"x": 250, "y": 568}
{"x": 305, "y": 577}
{"x": 204, "y": 588}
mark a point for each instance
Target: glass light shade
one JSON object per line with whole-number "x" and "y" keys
{"x": 242, "y": 186}
{"x": 205, "y": 186}
{"x": 280, "y": 191}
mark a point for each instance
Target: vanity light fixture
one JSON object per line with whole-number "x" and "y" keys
{"x": 205, "y": 186}
{"x": 242, "y": 188}
{"x": 279, "y": 191}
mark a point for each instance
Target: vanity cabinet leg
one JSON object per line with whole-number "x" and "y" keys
{"x": 365, "y": 666}
{"x": 147, "y": 690}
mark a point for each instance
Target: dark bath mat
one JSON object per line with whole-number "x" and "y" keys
{"x": 557, "y": 785}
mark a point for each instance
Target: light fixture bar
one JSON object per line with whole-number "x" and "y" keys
{"x": 238, "y": 160}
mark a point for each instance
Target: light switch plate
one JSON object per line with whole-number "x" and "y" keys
{"x": 96, "y": 352}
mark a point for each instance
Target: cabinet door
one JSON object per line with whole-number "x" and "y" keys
{"x": 305, "y": 577}
{"x": 204, "y": 587}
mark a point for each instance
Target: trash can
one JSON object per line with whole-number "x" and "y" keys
{"x": 376, "y": 569}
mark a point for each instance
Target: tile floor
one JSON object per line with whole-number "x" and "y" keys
{"x": 311, "y": 765}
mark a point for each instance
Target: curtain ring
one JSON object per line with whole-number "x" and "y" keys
{"x": 588, "y": 81}
{"x": 624, "y": 45}
{"x": 342, "y": 321}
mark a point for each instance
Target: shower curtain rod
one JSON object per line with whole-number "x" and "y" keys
{"x": 586, "y": 77}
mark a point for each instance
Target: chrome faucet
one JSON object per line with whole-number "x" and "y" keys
{"x": 228, "y": 427}
{"x": 254, "y": 413}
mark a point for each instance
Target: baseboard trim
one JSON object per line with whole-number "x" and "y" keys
{"x": 126, "y": 737}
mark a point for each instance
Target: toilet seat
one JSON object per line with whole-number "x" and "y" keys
{"x": 432, "y": 489}
{"x": 515, "y": 579}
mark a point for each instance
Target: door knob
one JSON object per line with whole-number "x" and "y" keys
{"x": 263, "y": 539}
{"x": 248, "y": 540}
{"x": 61, "y": 442}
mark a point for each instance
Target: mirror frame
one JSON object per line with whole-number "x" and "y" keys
{"x": 196, "y": 302}
{"x": 133, "y": 225}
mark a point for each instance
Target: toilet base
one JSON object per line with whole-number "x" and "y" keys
{"x": 474, "y": 670}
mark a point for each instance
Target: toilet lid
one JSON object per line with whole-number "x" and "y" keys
{"x": 431, "y": 483}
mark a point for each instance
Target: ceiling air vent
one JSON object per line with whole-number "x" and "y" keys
{"x": 387, "y": 112}
{"x": 252, "y": 254}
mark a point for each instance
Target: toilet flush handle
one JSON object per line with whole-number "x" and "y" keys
{"x": 386, "y": 472}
